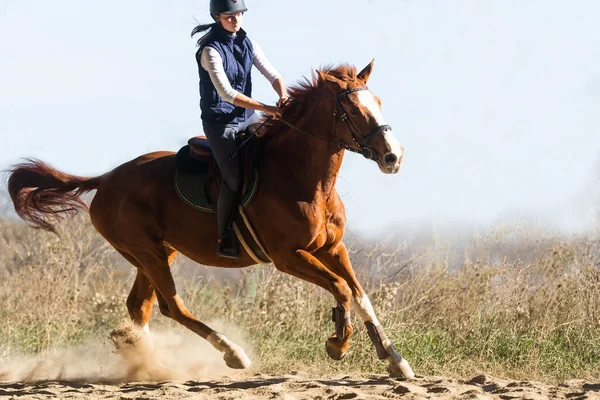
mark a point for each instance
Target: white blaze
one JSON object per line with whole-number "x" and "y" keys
{"x": 393, "y": 144}
{"x": 367, "y": 99}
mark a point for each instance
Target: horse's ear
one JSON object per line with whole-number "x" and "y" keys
{"x": 333, "y": 83}
{"x": 366, "y": 72}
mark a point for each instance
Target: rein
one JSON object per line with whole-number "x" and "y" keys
{"x": 249, "y": 135}
{"x": 343, "y": 146}
{"x": 362, "y": 141}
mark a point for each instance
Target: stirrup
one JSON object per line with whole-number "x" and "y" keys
{"x": 227, "y": 246}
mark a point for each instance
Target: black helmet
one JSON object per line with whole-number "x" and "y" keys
{"x": 227, "y": 6}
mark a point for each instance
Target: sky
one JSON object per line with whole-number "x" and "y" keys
{"x": 496, "y": 102}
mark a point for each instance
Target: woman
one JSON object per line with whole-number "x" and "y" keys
{"x": 225, "y": 58}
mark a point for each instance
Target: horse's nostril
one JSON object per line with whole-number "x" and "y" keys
{"x": 390, "y": 159}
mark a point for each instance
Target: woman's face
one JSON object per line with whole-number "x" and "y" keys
{"x": 231, "y": 22}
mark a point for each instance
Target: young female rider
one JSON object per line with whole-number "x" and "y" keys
{"x": 225, "y": 58}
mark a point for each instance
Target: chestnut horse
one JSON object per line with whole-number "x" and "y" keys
{"x": 297, "y": 212}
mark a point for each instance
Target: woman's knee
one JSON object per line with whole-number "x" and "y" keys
{"x": 234, "y": 183}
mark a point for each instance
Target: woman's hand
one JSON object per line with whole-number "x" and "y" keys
{"x": 244, "y": 101}
{"x": 282, "y": 100}
{"x": 273, "y": 111}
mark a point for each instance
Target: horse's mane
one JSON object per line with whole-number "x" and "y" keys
{"x": 306, "y": 91}
{"x": 307, "y": 87}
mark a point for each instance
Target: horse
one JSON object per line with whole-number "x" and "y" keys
{"x": 296, "y": 211}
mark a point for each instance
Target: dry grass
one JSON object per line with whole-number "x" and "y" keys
{"x": 514, "y": 302}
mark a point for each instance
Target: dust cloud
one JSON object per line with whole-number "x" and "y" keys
{"x": 127, "y": 356}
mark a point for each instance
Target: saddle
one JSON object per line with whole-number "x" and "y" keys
{"x": 198, "y": 179}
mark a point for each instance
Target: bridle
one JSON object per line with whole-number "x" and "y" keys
{"x": 360, "y": 140}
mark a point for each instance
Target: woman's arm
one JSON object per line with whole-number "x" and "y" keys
{"x": 241, "y": 100}
{"x": 281, "y": 90}
{"x": 269, "y": 72}
{"x": 212, "y": 62}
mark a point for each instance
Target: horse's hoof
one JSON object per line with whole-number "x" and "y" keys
{"x": 237, "y": 359}
{"x": 401, "y": 369}
{"x": 334, "y": 351}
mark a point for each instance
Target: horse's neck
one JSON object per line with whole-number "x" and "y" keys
{"x": 311, "y": 164}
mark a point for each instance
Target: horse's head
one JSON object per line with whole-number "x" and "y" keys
{"x": 363, "y": 127}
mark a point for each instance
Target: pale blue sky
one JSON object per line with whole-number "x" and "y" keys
{"x": 496, "y": 102}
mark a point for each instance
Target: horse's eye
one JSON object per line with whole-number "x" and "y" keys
{"x": 355, "y": 111}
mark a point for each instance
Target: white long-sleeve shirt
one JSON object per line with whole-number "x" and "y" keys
{"x": 212, "y": 62}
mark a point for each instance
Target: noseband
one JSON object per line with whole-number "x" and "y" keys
{"x": 362, "y": 141}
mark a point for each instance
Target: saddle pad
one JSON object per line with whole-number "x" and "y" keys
{"x": 192, "y": 189}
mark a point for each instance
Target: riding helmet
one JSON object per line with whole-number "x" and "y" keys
{"x": 227, "y": 6}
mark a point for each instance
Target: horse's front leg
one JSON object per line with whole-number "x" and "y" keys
{"x": 337, "y": 260}
{"x": 305, "y": 266}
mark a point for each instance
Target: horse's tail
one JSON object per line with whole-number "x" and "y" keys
{"x": 39, "y": 191}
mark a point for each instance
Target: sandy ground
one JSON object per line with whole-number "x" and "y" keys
{"x": 176, "y": 364}
{"x": 301, "y": 386}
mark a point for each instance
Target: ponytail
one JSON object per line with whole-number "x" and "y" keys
{"x": 202, "y": 28}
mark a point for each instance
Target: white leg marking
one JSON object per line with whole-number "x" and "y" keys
{"x": 364, "y": 309}
{"x": 219, "y": 341}
{"x": 234, "y": 356}
{"x": 145, "y": 342}
{"x": 397, "y": 365}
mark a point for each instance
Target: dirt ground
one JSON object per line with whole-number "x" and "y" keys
{"x": 302, "y": 386}
{"x": 175, "y": 365}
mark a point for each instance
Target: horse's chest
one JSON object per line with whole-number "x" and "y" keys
{"x": 312, "y": 213}
{"x": 323, "y": 218}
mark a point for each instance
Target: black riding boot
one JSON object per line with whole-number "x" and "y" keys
{"x": 227, "y": 243}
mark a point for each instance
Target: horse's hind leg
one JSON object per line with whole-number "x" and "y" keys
{"x": 140, "y": 301}
{"x": 142, "y": 295}
{"x": 139, "y": 305}
{"x": 154, "y": 264}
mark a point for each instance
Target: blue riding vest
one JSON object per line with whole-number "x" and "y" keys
{"x": 238, "y": 57}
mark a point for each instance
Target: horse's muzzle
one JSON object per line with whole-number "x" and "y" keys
{"x": 391, "y": 161}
